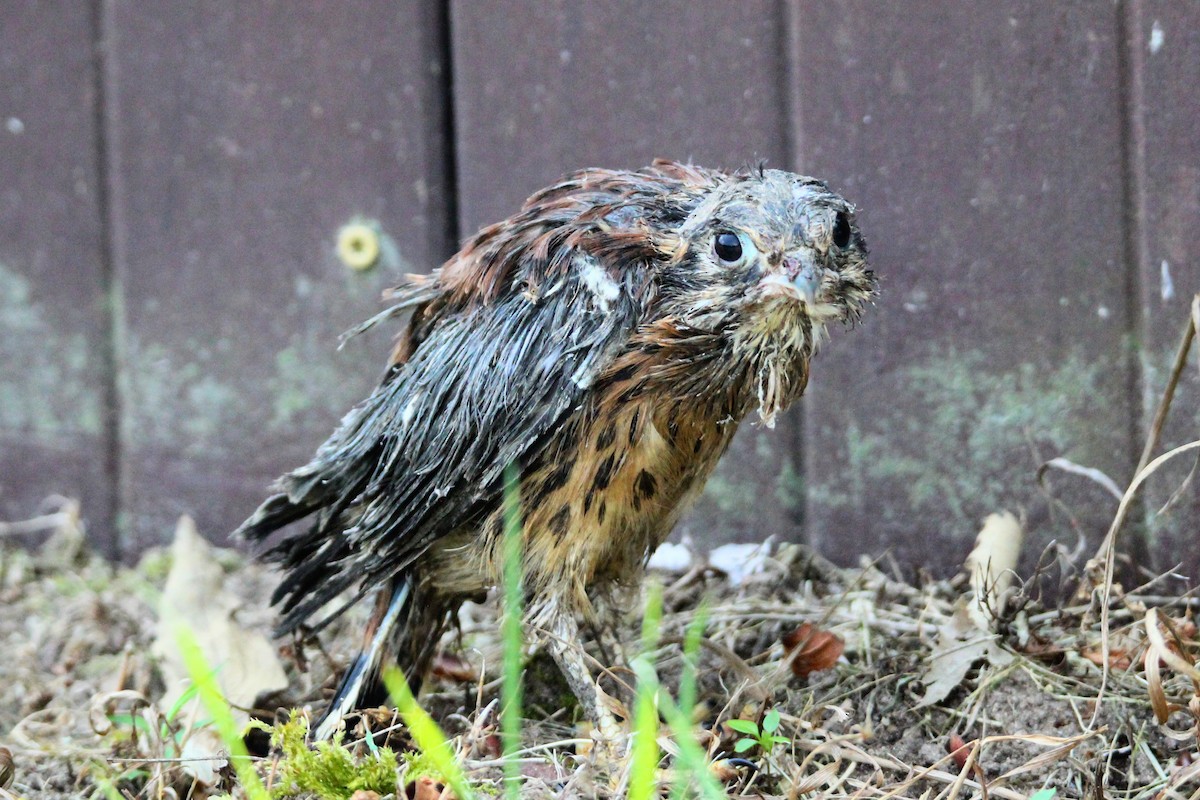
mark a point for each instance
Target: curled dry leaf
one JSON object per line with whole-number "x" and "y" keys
{"x": 454, "y": 668}
{"x": 1159, "y": 653}
{"x": 103, "y": 706}
{"x": 492, "y": 746}
{"x": 1158, "y": 695}
{"x": 1118, "y": 657}
{"x": 811, "y": 649}
{"x": 991, "y": 564}
{"x": 958, "y": 749}
{"x": 426, "y": 788}
{"x": 1091, "y": 473}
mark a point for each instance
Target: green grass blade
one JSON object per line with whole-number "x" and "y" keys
{"x": 652, "y": 618}
{"x": 203, "y": 678}
{"x": 426, "y": 733}
{"x": 692, "y": 757}
{"x": 687, "y": 679}
{"x": 643, "y": 781}
{"x": 180, "y": 702}
{"x": 514, "y": 595}
{"x": 691, "y": 654}
{"x": 135, "y": 722}
{"x": 105, "y": 788}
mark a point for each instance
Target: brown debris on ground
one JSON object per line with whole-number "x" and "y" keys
{"x": 1024, "y": 713}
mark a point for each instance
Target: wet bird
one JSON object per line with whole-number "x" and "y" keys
{"x": 604, "y": 342}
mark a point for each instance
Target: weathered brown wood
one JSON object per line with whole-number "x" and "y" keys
{"x": 1163, "y": 53}
{"x": 244, "y": 136}
{"x": 1027, "y": 172}
{"x": 53, "y": 325}
{"x": 984, "y": 144}
{"x": 545, "y": 88}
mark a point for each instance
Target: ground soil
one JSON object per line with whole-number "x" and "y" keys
{"x": 75, "y": 629}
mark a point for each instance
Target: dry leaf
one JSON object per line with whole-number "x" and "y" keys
{"x": 1169, "y": 652}
{"x": 583, "y": 732}
{"x": 426, "y": 788}
{"x": 195, "y": 599}
{"x": 817, "y": 649}
{"x": 959, "y": 645}
{"x": 1118, "y": 657}
{"x": 453, "y": 668}
{"x": 671, "y": 557}
{"x": 1061, "y": 748}
{"x": 104, "y": 705}
{"x": 959, "y": 750}
{"x": 991, "y": 565}
{"x": 1043, "y": 650}
{"x": 1158, "y": 695}
{"x": 1091, "y": 473}
{"x": 1163, "y": 653}
{"x": 826, "y": 776}
{"x": 492, "y": 746}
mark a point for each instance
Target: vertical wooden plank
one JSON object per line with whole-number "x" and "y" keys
{"x": 244, "y": 136}
{"x": 545, "y": 88}
{"x": 1163, "y": 41}
{"x": 53, "y": 326}
{"x": 983, "y": 143}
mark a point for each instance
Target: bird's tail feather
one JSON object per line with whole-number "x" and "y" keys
{"x": 275, "y": 512}
{"x": 387, "y": 640}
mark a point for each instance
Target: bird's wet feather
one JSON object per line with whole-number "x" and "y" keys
{"x": 599, "y": 341}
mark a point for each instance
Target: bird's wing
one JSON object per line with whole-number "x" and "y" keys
{"x": 506, "y": 341}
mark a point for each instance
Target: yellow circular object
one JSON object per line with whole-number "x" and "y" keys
{"x": 358, "y": 246}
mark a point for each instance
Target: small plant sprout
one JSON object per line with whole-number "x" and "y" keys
{"x": 764, "y": 738}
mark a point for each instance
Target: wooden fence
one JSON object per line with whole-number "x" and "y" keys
{"x": 173, "y": 176}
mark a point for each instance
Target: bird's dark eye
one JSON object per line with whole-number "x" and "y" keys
{"x": 841, "y": 231}
{"x": 728, "y": 247}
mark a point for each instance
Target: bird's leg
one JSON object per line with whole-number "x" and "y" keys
{"x": 612, "y": 651}
{"x": 610, "y": 645}
{"x": 563, "y": 644}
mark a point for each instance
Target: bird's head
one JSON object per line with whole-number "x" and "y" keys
{"x": 769, "y": 258}
{"x": 774, "y": 246}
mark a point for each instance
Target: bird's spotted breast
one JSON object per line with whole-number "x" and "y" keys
{"x": 629, "y": 476}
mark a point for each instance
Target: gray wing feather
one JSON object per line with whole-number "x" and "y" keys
{"x": 425, "y": 453}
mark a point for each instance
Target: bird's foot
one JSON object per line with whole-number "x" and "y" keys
{"x": 609, "y": 736}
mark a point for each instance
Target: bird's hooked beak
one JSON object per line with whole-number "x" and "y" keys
{"x": 798, "y": 276}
